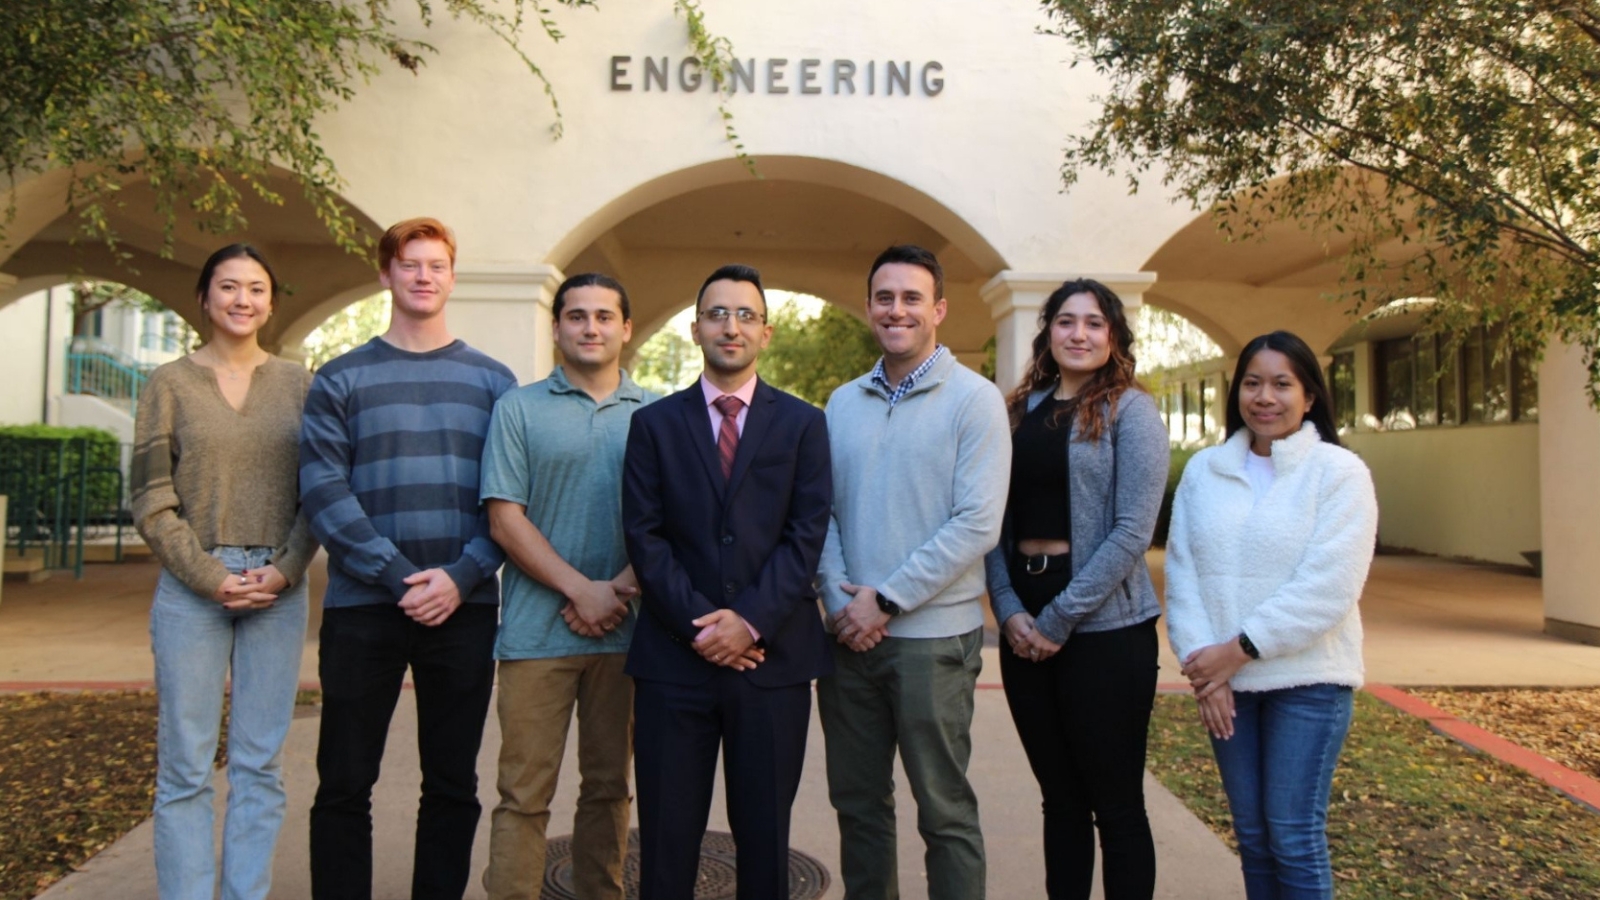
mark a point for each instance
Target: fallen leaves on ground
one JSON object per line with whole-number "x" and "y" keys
{"x": 76, "y": 772}
{"x": 1413, "y": 813}
{"x": 1560, "y": 723}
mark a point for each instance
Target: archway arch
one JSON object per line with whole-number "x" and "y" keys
{"x": 812, "y": 226}
{"x": 43, "y": 248}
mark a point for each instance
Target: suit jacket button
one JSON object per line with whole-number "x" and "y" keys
{"x": 727, "y": 539}
{"x": 732, "y": 587}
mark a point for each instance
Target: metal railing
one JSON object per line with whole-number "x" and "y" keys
{"x": 62, "y": 492}
{"x": 100, "y": 370}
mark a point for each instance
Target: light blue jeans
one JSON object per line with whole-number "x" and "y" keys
{"x": 196, "y": 642}
{"x": 1277, "y": 770}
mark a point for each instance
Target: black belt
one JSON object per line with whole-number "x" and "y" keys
{"x": 1044, "y": 563}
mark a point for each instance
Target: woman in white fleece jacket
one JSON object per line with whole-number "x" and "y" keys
{"x": 1271, "y": 539}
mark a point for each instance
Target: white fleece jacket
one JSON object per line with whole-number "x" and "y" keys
{"x": 1287, "y": 570}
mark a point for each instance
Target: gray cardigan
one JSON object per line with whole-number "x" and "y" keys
{"x": 1115, "y": 486}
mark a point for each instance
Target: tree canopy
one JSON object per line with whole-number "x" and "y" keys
{"x": 201, "y": 97}
{"x": 813, "y": 351}
{"x": 1453, "y": 146}
{"x": 811, "y": 356}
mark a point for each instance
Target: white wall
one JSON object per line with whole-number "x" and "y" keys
{"x": 1569, "y": 452}
{"x": 84, "y": 411}
{"x": 1467, "y": 491}
{"x": 487, "y": 164}
{"x": 22, "y": 364}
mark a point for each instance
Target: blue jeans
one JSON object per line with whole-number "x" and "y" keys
{"x": 196, "y": 642}
{"x": 1277, "y": 770}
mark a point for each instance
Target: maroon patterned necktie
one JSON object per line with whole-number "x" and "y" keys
{"x": 728, "y": 435}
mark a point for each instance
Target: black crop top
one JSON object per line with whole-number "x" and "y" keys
{"x": 1038, "y": 501}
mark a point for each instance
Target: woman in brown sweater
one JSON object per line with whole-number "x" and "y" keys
{"x": 215, "y": 495}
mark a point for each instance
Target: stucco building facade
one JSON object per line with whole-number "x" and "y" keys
{"x": 939, "y": 123}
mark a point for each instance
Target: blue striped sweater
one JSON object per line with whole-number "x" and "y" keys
{"x": 390, "y": 446}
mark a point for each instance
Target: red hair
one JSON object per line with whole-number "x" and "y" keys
{"x": 421, "y": 229}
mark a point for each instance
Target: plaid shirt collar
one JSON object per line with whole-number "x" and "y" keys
{"x": 897, "y": 391}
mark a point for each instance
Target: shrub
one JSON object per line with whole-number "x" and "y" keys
{"x": 40, "y": 467}
{"x": 1180, "y": 459}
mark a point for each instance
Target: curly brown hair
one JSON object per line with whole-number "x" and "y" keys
{"x": 1105, "y": 387}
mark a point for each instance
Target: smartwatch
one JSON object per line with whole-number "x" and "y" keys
{"x": 1248, "y": 646}
{"x": 889, "y": 607}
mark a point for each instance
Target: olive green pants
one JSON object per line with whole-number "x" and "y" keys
{"x": 915, "y": 694}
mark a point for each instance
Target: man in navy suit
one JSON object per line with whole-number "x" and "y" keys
{"x": 725, "y": 501}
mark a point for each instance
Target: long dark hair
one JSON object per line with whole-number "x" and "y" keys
{"x": 1107, "y": 383}
{"x": 1306, "y": 370}
{"x": 233, "y": 251}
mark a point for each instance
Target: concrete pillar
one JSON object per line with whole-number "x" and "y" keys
{"x": 504, "y": 311}
{"x": 59, "y": 316}
{"x": 1015, "y": 299}
{"x": 1569, "y": 496}
{"x": 1366, "y": 387}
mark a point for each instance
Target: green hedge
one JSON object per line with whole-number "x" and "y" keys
{"x": 1180, "y": 458}
{"x": 36, "y": 460}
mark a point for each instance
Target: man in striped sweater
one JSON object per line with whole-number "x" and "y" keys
{"x": 389, "y": 452}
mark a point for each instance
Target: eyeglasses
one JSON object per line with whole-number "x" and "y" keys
{"x": 720, "y": 314}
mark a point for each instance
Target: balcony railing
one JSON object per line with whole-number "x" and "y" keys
{"x": 100, "y": 370}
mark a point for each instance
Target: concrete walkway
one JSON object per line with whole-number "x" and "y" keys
{"x": 1428, "y": 622}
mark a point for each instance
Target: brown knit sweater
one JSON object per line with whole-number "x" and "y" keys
{"x": 206, "y": 475}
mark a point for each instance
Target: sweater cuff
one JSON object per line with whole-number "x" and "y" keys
{"x": 206, "y": 581}
{"x": 290, "y": 564}
{"x": 394, "y": 575}
{"x": 1053, "y": 625}
{"x": 466, "y": 574}
{"x": 1005, "y": 604}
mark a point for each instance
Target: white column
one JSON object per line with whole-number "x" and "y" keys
{"x": 1015, "y": 299}
{"x": 60, "y": 300}
{"x": 504, "y": 311}
{"x": 1569, "y": 496}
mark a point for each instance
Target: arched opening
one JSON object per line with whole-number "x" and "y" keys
{"x": 1186, "y": 371}
{"x": 309, "y": 265}
{"x": 816, "y": 346}
{"x": 810, "y": 225}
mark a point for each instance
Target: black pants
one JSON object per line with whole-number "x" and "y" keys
{"x": 365, "y": 651}
{"x": 678, "y": 730}
{"x": 1083, "y": 716}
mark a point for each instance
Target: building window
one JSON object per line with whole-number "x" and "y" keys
{"x": 1342, "y": 384}
{"x": 1447, "y": 379}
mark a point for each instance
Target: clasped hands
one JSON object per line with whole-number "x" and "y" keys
{"x": 1026, "y": 641}
{"x": 598, "y": 607}
{"x": 861, "y": 625}
{"x": 1209, "y": 670}
{"x": 432, "y": 598}
{"x": 725, "y": 639}
{"x": 251, "y": 589}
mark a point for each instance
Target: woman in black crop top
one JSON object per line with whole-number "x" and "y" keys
{"x": 1075, "y": 604}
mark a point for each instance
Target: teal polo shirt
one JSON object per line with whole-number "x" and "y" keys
{"x": 555, "y": 450}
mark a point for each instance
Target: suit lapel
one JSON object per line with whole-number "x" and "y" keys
{"x": 697, "y": 421}
{"x": 757, "y": 424}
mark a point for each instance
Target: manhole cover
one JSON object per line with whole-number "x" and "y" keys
{"x": 808, "y": 879}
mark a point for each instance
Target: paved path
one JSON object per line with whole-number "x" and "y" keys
{"x": 1195, "y": 864}
{"x": 1427, "y": 622}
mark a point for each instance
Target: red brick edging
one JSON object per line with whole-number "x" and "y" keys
{"x": 1574, "y": 784}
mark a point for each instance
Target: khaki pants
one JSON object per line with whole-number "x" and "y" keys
{"x": 535, "y": 704}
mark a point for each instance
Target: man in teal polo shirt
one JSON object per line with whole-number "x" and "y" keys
{"x": 552, "y": 481}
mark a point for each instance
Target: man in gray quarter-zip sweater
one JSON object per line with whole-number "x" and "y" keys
{"x": 921, "y": 460}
